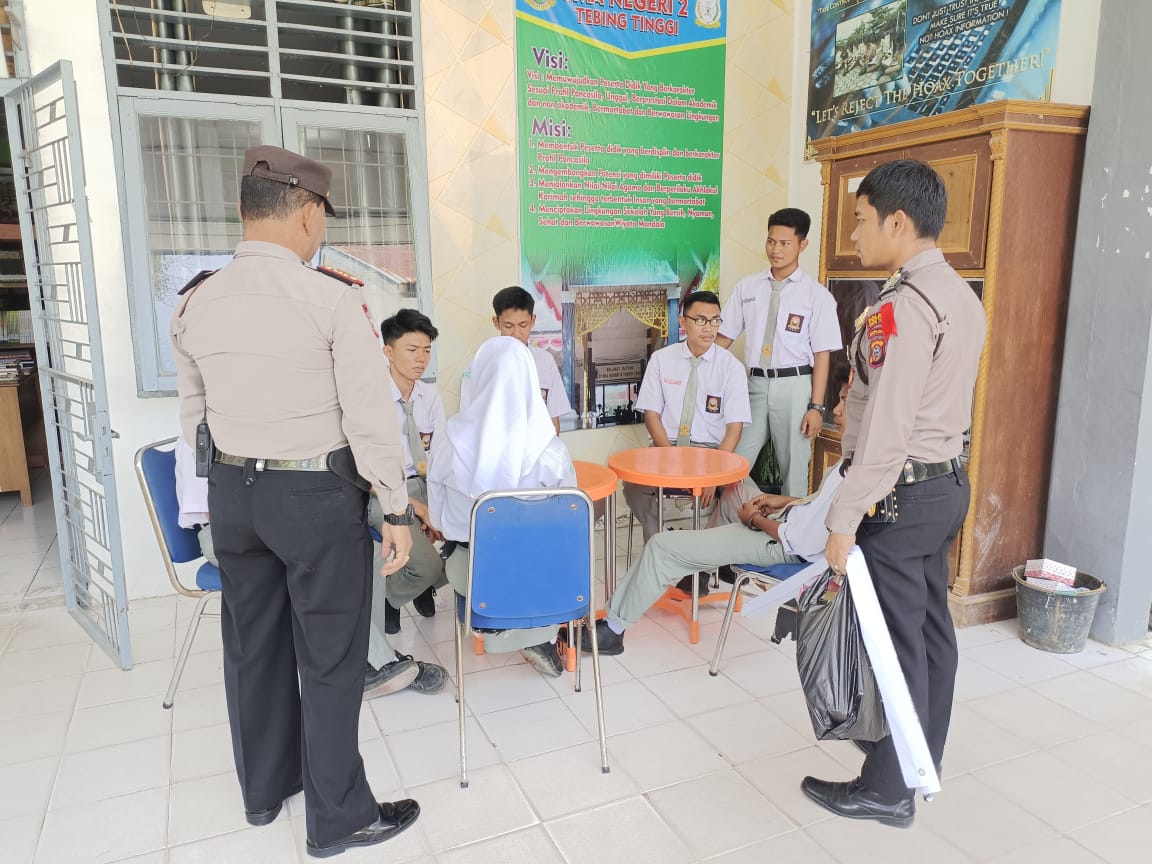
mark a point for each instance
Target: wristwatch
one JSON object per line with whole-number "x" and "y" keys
{"x": 816, "y": 406}
{"x": 408, "y": 517}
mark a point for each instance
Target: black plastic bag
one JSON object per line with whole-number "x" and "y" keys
{"x": 839, "y": 685}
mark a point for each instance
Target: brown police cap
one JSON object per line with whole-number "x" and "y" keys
{"x": 284, "y": 166}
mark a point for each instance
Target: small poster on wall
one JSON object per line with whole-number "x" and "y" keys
{"x": 621, "y": 129}
{"x": 876, "y": 62}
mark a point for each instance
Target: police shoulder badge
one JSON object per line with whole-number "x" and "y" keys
{"x": 708, "y": 13}
{"x": 881, "y": 325}
{"x": 340, "y": 275}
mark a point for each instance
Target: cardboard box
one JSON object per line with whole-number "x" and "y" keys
{"x": 1046, "y": 568}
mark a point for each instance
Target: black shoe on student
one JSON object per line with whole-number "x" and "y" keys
{"x": 389, "y": 678}
{"x": 546, "y": 659}
{"x": 853, "y": 801}
{"x": 425, "y": 604}
{"x": 727, "y": 574}
{"x": 685, "y": 584}
{"x": 266, "y": 817}
{"x": 392, "y": 818}
{"x": 391, "y": 618}
{"x": 609, "y": 643}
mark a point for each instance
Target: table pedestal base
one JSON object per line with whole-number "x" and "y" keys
{"x": 680, "y": 603}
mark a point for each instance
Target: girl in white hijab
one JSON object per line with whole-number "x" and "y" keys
{"x": 502, "y": 439}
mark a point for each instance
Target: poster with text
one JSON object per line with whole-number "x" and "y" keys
{"x": 876, "y": 62}
{"x": 620, "y": 135}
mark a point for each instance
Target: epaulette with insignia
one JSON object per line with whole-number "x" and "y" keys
{"x": 346, "y": 278}
{"x": 194, "y": 281}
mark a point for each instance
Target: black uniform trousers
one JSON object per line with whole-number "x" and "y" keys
{"x": 295, "y": 564}
{"x": 908, "y": 562}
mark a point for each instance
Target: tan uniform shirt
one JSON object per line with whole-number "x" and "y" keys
{"x": 909, "y": 399}
{"x": 289, "y": 366}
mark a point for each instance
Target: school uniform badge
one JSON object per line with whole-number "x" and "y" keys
{"x": 712, "y": 404}
{"x": 881, "y": 325}
{"x": 794, "y": 323}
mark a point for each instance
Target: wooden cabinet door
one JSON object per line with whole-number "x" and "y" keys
{"x": 966, "y": 168}
{"x": 841, "y": 217}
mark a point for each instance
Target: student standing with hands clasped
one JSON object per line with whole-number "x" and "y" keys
{"x": 792, "y": 329}
{"x": 915, "y": 355}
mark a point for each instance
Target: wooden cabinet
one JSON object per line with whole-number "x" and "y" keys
{"x": 1012, "y": 170}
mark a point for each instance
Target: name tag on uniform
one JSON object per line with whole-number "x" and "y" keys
{"x": 712, "y": 405}
{"x": 673, "y": 381}
{"x": 795, "y": 322}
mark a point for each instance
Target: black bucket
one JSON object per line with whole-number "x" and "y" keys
{"x": 1053, "y": 621}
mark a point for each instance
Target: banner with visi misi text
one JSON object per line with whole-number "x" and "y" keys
{"x": 620, "y": 135}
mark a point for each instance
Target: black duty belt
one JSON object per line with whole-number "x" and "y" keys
{"x": 918, "y": 472}
{"x": 789, "y": 372}
{"x": 316, "y": 463}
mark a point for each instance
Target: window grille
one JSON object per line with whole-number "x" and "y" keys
{"x": 351, "y": 52}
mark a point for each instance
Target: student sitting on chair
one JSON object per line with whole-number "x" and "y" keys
{"x": 777, "y": 529}
{"x": 408, "y": 337}
{"x": 693, "y": 394}
{"x": 503, "y": 439}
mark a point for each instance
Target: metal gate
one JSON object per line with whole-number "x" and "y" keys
{"x": 48, "y": 165}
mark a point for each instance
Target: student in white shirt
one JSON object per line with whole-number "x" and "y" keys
{"x": 776, "y": 529}
{"x": 503, "y": 439}
{"x": 514, "y": 315}
{"x": 408, "y": 337}
{"x": 787, "y": 356}
{"x": 720, "y": 407}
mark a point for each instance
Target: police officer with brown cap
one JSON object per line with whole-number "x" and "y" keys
{"x": 278, "y": 361}
{"x": 915, "y": 355}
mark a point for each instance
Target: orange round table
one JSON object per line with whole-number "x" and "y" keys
{"x": 691, "y": 468}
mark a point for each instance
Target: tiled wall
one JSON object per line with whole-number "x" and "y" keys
{"x": 470, "y": 92}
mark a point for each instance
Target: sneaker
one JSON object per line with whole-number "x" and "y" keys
{"x": 391, "y": 618}
{"x": 431, "y": 677}
{"x": 546, "y": 658}
{"x": 425, "y": 604}
{"x": 727, "y": 574}
{"x": 685, "y": 584}
{"x": 389, "y": 678}
{"x": 608, "y": 642}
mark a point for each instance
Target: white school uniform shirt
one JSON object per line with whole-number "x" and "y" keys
{"x": 804, "y": 533}
{"x": 191, "y": 491}
{"x": 551, "y": 383}
{"x": 428, "y": 411}
{"x": 721, "y": 391}
{"x": 805, "y": 322}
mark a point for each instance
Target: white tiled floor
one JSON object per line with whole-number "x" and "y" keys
{"x": 29, "y": 560}
{"x": 1050, "y": 757}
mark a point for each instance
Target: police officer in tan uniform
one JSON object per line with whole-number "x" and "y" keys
{"x": 915, "y": 357}
{"x": 281, "y": 364}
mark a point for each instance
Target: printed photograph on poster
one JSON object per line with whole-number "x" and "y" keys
{"x": 877, "y": 62}
{"x": 620, "y": 142}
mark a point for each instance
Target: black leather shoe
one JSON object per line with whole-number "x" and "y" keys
{"x": 727, "y": 574}
{"x": 853, "y": 801}
{"x": 610, "y": 644}
{"x": 391, "y": 618}
{"x": 392, "y": 819}
{"x": 267, "y": 817}
{"x": 425, "y": 604}
{"x": 685, "y": 584}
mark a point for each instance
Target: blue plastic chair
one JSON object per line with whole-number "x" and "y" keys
{"x": 530, "y": 565}
{"x": 156, "y": 471}
{"x": 745, "y": 573}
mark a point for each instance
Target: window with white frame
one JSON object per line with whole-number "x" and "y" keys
{"x": 198, "y": 81}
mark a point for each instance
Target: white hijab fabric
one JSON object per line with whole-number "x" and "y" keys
{"x": 496, "y": 441}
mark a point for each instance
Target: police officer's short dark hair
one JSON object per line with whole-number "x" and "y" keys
{"x": 261, "y": 198}
{"x": 838, "y": 376}
{"x": 694, "y": 297}
{"x": 911, "y": 186}
{"x": 794, "y": 218}
{"x": 407, "y": 321}
{"x": 513, "y": 297}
